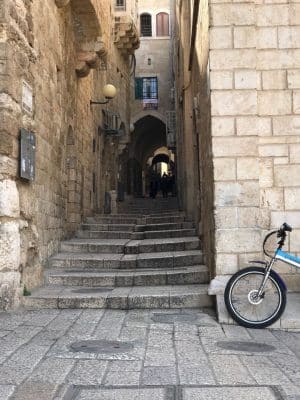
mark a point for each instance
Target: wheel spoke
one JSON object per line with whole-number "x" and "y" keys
{"x": 243, "y": 298}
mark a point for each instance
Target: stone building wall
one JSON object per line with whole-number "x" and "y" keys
{"x": 194, "y": 144}
{"x": 58, "y": 47}
{"x": 244, "y": 102}
{"x": 159, "y": 50}
{"x": 255, "y": 67}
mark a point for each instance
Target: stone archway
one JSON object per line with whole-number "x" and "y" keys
{"x": 149, "y": 135}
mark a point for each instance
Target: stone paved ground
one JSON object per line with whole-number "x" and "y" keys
{"x": 168, "y": 355}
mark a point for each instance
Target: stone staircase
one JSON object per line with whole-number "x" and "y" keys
{"x": 146, "y": 257}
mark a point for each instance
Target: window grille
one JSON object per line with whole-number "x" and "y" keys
{"x": 146, "y": 88}
{"x": 146, "y": 25}
{"x": 120, "y": 5}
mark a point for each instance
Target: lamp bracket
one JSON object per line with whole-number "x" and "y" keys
{"x": 99, "y": 102}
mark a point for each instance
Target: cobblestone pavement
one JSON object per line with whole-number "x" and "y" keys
{"x": 148, "y": 355}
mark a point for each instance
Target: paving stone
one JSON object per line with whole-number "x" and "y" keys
{"x": 30, "y": 390}
{"x": 122, "y": 378}
{"x": 196, "y": 375}
{"x": 159, "y": 376}
{"x": 130, "y": 366}
{"x": 6, "y": 391}
{"x": 123, "y": 394}
{"x": 233, "y": 331}
{"x": 21, "y": 364}
{"x": 232, "y": 393}
{"x": 87, "y": 372}
{"x": 230, "y": 371}
{"x": 264, "y": 371}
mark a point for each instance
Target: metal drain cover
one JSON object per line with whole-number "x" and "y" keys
{"x": 250, "y": 347}
{"x": 92, "y": 290}
{"x": 174, "y": 317}
{"x": 101, "y": 346}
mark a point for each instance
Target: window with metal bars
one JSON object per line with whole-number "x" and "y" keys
{"x": 120, "y": 5}
{"x": 146, "y": 25}
{"x": 146, "y": 88}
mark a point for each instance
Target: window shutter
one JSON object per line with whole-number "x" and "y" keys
{"x": 162, "y": 24}
{"x": 139, "y": 88}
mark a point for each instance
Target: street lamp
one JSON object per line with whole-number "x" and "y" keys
{"x": 109, "y": 92}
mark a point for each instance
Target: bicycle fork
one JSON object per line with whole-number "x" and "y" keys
{"x": 268, "y": 269}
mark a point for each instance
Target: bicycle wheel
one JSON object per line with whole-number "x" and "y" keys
{"x": 245, "y": 308}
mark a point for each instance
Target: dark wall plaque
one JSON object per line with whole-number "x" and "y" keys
{"x": 27, "y": 155}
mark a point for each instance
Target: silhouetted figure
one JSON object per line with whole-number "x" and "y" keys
{"x": 164, "y": 185}
{"x": 171, "y": 184}
{"x": 153, "y": 189}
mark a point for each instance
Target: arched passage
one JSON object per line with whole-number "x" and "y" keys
{"x": 148, "y": 142}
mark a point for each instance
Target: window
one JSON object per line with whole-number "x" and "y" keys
{"x": 162, "y": 24}
{"x": 146, "y": 25}
{"x": 146, "y": 88}
{"x": 120, "y": 5}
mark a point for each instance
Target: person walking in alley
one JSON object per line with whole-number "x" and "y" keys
{"x": 164, "y": 185}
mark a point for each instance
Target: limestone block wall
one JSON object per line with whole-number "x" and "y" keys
{"x": 41, "y": 44}
{"x": 254, "y": 78}
{"x": 159, "y": 51}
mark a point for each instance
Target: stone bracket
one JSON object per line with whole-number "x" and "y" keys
{"x": 89, "y": 59}
{"x": 126, "y": 35}
{"x": 62, "y": 3}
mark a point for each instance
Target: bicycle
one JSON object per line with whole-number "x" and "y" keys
{"x": 255, "y": 297}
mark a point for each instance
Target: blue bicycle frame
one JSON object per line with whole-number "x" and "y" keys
{"x": 287, "y": 258}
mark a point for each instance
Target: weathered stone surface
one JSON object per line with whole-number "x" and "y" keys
{"x": 236, "y": 194}
{"x": 282, "y": 106}
{"x": 9, "y": 246}
{"x": 234, "y": 147}
{"x": 230, "y": 103}
{"x": 248, "y": 126}
{"x": 9, "y": 199}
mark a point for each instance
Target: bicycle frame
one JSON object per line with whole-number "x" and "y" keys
{"x": 287, "y": 258}
{"x": 282, "y": 256}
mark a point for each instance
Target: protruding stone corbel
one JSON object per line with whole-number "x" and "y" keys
{"x": 86, "y": 61}
{"x": 89, "y": 57}
{"x": 62, "y": 3}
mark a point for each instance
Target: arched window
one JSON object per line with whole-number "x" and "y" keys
{"x": 162, "y": 24}
{"x": 146, "y": 25}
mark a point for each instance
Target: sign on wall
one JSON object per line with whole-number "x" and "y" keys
{"x": 27, "y": 154}
{"x": 27, "y": 98}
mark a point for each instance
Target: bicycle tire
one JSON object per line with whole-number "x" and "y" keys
{"x": 254, "y": 272}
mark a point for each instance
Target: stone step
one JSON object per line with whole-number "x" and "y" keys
{"x": 108, "y": 227}
{"x": 111, "y": 220}
{"x": 119, "y": 278}
{"x": 131, "y": 261}
{"x": 170, "y": 233}
{"x": 164, "y": 226}
{"x": 94, "y": 246}
{"x": 130, "y": 246}
{"x": 135, "y": 220}
{"x": 162, "y": 245}
{"x": 131, "y": 297}
{"x": 87, "y": 234}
